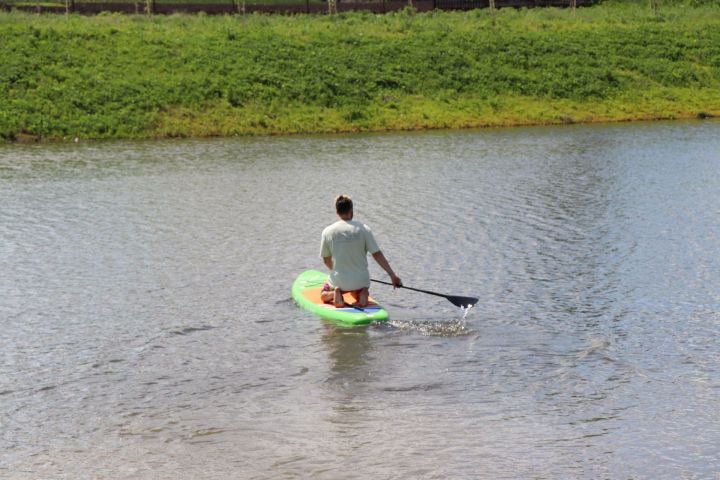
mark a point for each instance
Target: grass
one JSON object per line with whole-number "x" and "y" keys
{"x": 115, "y": 76}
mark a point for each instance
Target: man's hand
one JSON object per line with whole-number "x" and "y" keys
{"x": 397, "y": 283}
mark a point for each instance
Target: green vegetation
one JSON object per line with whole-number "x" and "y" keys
{"x": 115, "y": 76}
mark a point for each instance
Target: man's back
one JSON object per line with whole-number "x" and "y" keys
{"x": 348, "y": 242}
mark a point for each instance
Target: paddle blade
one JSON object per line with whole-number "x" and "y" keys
{"x": 464, "y": 302}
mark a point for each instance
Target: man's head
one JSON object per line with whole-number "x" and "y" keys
{"x": 344, "y": 206}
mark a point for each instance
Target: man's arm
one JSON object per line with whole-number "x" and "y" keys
{"x": 382, "y": 261}
{"x": 328, "y": 262}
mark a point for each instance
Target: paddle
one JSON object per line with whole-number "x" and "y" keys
{"x": 454, "y": 299}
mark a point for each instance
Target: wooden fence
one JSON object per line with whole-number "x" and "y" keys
{"x": 236, "y": 6}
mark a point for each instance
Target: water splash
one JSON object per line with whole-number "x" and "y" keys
{"x": 465, "y": 311}
{"x": 453, "y": 328}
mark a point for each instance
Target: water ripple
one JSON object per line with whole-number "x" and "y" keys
{"x": 147, "y": 328}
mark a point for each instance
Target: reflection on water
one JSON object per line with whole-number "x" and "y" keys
{"x": 147, "y": 330}
{"x": 347, "y": 350}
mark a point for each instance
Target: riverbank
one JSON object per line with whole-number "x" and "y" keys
{"x": 114, "y": 76}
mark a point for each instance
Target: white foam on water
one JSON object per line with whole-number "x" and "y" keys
{"x": 452, "y": 328}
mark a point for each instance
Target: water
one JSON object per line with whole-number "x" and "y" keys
{"x": 147, "y": 329}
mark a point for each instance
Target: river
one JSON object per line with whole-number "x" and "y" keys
{"x": 147, "y": 328}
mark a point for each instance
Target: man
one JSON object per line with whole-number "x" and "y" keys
{"x": 344, "y": 248}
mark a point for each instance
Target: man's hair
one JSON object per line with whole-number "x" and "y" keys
{"x": 343, "y": 204}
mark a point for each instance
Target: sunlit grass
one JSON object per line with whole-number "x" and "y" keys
{"x": 116, "y": 76}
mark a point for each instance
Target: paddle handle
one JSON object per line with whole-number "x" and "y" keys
{"x": 410, "y": 288}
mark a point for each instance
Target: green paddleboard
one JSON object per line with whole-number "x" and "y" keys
{"x": 306, "y": 292}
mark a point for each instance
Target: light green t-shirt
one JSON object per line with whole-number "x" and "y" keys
{"x": 348, "y": 243}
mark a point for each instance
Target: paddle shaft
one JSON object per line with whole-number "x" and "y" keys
{"x": 414, "y": 289}
{"x": 463, "y": 302}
